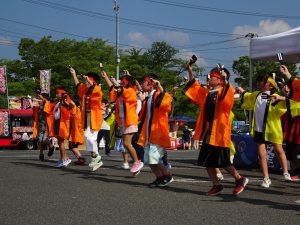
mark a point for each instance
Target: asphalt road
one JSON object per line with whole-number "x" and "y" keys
{"x": 34, "y": 192}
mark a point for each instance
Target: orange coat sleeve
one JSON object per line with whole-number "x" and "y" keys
{"x": 295, "y": 89}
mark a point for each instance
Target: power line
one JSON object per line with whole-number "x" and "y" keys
{"x": 102, "y": 16}
{"x": 219, "y": 10}
{"x": 53, "y": 30}
{"x": 208, "y": 43}
{"x": 213, "y": 49}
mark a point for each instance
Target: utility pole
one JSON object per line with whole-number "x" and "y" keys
{"x": 116, "y": 9}
{"x": 250, "y": 36}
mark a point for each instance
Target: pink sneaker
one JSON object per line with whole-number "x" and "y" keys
{"x": 137, "y": 166}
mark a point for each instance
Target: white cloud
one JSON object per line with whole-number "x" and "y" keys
{"x": 264, "y": 28}
{"x": 5, "y": 41}
{"x": 138, "y": 39}
{"x": 172, "y": 37}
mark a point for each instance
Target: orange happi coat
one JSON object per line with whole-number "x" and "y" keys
{"x": 76, "y": 133}
{"x": 159, "y": 120}
{"x": 128, "y": 95}
{"x": 95, "y": 104}
{"x": 35, "y": 121}
{"x": 64, "y": 122}
{"x": 221, "y": 128}
{"x": 295, "y": 89}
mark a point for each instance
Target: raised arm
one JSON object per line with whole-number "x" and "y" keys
{"x": 284, "y": 70}
{"x": 73, "y": 73}
{"x": 108, "y": 81}
{"x": 190, "y": 71}
{"x": 158, "y": 85}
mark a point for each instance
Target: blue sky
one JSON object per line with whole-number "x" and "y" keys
{"x": 204, "y": 32}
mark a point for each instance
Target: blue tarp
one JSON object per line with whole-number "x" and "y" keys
{"x": 246, "y": 152}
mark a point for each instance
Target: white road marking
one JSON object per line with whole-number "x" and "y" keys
{"x": 205, "y": 181}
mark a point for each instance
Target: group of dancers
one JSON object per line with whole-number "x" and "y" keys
{"x": 141, "y": 110}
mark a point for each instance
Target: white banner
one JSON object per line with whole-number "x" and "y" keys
{"x": 45, "y": 81}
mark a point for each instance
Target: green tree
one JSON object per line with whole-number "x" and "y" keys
{"x": 241, "y": 68}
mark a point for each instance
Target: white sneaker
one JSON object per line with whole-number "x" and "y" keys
{"x": 95, "y": 163}
{"x": 63, "y": 163}
{"x": 66, "y": 162}
{"x": 125, "y": 166}
{"x": 287, "y": 177}
{"x": 220, "y": 176}
{"x": 59, "y": 163}
{"x": 266, "y": 182}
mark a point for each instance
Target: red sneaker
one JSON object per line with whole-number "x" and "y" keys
{"x": 81, "y": 161}
{"x": 240, "y": 185}
{"x": 295, "y": 178}
{"x": 215, "y": 190}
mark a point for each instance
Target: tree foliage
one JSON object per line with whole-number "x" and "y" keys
{"x": 241, "y": 67}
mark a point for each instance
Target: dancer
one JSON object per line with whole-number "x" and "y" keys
{"x": 61, "y": 111}
{"x": 124, "y": 95}
{"x": 266, "y": 125}
{"x": 213, "y": 126}
{"x": 155, "y": 130}
{"x": 90, "y": 94}
{"x": 76, "y": 134}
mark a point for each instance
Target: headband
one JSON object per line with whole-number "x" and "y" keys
{"x": 61, "y": 91}
{"x": 214, "y": 74}
{"x": 273, "y": 82}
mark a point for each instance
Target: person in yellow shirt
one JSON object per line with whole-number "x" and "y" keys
{"x": 266, "y": 125}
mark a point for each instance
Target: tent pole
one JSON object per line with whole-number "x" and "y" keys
{"x": 250, "y": 88}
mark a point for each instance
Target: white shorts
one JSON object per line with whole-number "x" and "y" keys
{"x": 153, "y": 154}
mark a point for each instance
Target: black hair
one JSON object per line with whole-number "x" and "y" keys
{"x": 130, "y": 79}
{"x": 45, "y": 95}
{"x": 261, "y": 78}
{"x": 77, "y": 102}
{"x": 104, "y": 101}
{"x": 217, "y": 70}
{"x": 94, "y": 75}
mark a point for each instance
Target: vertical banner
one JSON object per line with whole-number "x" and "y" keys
{"x": 45, "y": 81}
{"x": 2, "y": 81}
{"x": 4, "y": 123}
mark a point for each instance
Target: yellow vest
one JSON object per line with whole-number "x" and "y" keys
{"x": 273, "y": 130}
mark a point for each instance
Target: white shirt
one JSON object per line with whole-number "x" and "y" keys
{"x": 104, "y": 125}
{"x": 149, "y": 101}
{"x": 57, "y": 111}
{"x": 261, "y": 105}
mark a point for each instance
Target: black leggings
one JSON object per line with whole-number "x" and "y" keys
{"x": 106, "y": 135}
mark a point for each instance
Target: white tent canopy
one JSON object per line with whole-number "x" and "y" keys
{"x": 266, "y": 48}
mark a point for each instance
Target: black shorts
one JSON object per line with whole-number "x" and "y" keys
{"x": 292, "y": 151}
{"x": 214, "y": 156}
{"x": 259, "y": 138}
